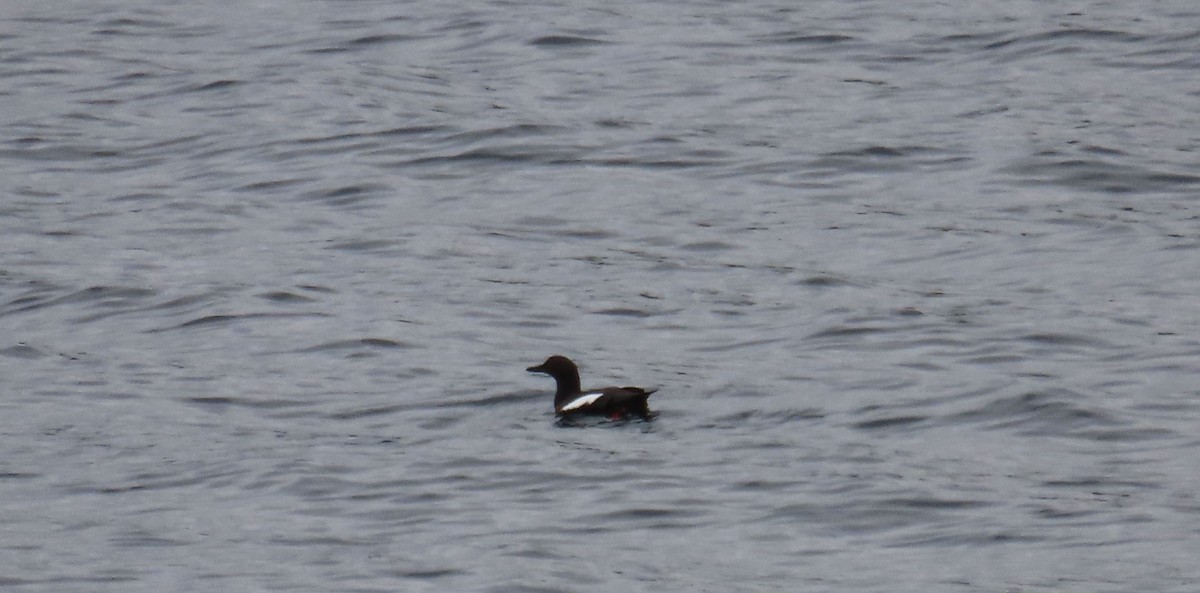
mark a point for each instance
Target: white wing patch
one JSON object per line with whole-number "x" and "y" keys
{"x": 581, "y": 401}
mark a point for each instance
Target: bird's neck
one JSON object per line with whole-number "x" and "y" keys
{"x": 568, "y": 387}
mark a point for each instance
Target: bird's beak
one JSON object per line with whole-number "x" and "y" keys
{"x": 536, "y": 369}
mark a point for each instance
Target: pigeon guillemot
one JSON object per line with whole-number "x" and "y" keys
{"x": 569, "y": 399}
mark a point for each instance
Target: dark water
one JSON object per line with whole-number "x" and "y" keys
{"x": 917, "y": 283}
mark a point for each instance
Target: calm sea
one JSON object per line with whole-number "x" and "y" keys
{"x": 918, "y": 283}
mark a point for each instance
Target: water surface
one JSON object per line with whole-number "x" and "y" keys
{"x": 917, "y": 287}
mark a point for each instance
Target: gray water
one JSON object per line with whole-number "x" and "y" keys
{"x": 917, "y": 283}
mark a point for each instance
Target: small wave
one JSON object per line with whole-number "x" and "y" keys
{"x": 566, "y": 41}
